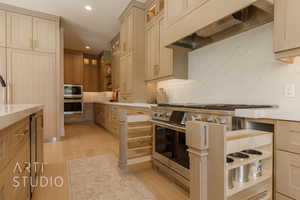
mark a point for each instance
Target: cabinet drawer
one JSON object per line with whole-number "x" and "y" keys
{"x": 288, "y": 174}
{"x": 11, "y": 139}
{"x": 288, "y": 136}
{"x": 281, "y": 197}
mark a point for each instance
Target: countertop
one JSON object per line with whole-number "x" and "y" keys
{"x": 273, "y": 113}
{"x": 141, "y": 105}
{"x": 10, "y": 114}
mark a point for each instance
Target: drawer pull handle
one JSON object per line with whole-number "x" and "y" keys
{"x": 23, "y": 133}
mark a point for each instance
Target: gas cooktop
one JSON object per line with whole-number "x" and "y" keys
{"x": 226, "y": 107}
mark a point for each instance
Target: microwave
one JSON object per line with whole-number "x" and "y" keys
{"x": 73, "y": 91}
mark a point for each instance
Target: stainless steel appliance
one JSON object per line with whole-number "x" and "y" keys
{"x": 169, "y": 120}
{"x": 73, "y": 99}
{"x": 73, "y": 91}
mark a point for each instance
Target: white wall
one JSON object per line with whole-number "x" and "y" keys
{"x": 241, "y": 69}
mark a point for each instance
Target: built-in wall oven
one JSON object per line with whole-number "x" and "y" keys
{"x": 73, "y": 99}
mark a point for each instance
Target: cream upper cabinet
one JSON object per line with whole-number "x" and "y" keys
{"x": 126, "y": 75}
{"x": 166, "y": 54}
{"x": 127, "y": 35}
{"x": 44, "y": 35}
{"x": 32, "y": 79}
{"x": 19, "y": 31}
{"x": 286, "y": 28}
{"x": 175, "y": 9}
{"x": 2, "y": 28}
{"x": 152, "y": 52}
{"x": 2, "y": 73}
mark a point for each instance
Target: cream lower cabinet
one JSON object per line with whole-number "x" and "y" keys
{"x": 44, "y": 35}
{"x": 3, "y": 73}
{"x": 288, "y": 159}
{"x": 286, "y": 29}
{"x": 19, "y": 31}
{"x": 2, "y": 28}
{"x": 32, "y": 79}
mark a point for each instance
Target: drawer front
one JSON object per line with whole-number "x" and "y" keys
{"x": 288, "y": 174}
{"x": 11, "y": 139}
{"x": 288, "y": 136}
{"x": 281, "y": 197}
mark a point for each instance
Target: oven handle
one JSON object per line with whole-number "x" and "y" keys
{"x": 169, "y": 126}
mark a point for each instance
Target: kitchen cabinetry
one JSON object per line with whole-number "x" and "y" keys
{"x": 3, "y": 73}
{"x": 22, "y": 66}
{"x": 286, "y": 30}
{"x": 73, "y": 68}
{"x": 185, "y": 17}
{"x": 15, "y": 150}
{"x": 2, "y": 28}
{"x": 209, "y": 146}
{"x": 19, "y": 31}
{"x": 132, "y": 61}
{"x": 162, "y": 62}
{"x": 44, "y": 35}
{"x": 32, "y": 62}
{"x": 115, "y": 62}
{"x": 288, "y": 159}
{"x": 126, "y": 76}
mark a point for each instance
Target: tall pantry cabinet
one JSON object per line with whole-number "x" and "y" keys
{"x": 132, "y": 54}
{"x": 29, "y": 62}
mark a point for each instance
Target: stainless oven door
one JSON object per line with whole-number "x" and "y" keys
{"x": 169, "y": 148}
{"x": 73, "y": 107}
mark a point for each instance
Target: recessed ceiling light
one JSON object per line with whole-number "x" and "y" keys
{"x": 88, "y": 47}
{"x": 88, "y": 7}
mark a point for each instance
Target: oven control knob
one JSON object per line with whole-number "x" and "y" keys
{"x": 211, "y": 120}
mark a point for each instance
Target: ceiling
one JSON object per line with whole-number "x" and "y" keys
{"x": 82, "y": 28}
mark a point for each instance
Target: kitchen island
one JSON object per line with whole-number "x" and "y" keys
{"x": 21, "y": 145}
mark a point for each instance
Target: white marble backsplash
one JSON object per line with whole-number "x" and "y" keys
{"x": 241, "y": 69}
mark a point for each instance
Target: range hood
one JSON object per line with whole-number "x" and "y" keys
{"x": 257, "y": 14}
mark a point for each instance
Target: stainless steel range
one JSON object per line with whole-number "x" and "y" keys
{"x": 169, "y": 120}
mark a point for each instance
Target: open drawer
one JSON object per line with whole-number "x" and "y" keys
{"x": 209, "y": 146}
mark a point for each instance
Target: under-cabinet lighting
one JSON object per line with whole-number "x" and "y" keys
{"x": 88, "y": 47}
{"x": 88, "y": 7}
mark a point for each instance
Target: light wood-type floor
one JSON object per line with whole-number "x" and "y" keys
{"x": 87, "y": 140}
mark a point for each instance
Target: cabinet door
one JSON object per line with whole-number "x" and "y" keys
{"x": 166, "y": 54}
{"x": 130, "y": 28}
{"x": 19, "y": 31}
{"x": 193, "y": 4}
{"x": 44, "y": 35}
{"x": 32, "y": 80}
{"x": 288, "y": 174}
{"x": 149, "y": 53}
{"x": 2, "y": 28}
{"x": 123, "y": 74}
{"x": 286, "y": 25}
{"x": 73, "y": 69}
{"x": 175, "y": 9}
{"x": 288, "y": 136}
{"x": 124, "y": 37}
{"x": 3, "y": 74}
{"x": 129, "y": 75}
